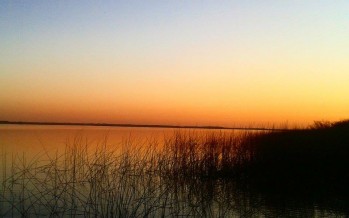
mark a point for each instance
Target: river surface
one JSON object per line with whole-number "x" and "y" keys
{"x": 201, "y": 199}
{"x": 32, "y": 140}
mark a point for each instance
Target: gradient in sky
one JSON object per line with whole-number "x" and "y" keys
{"x": 174, "y": 62}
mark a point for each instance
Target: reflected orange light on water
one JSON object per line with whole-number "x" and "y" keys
{"x": 44, "y": 142}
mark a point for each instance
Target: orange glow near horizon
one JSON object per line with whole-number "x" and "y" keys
{"x": 182, "y": 63}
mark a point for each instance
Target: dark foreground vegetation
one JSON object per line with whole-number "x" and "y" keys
{"x": 299, "y": 172}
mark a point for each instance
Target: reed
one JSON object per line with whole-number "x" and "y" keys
{"x": 211, "y": 155}
{"x": 216, "y": 174}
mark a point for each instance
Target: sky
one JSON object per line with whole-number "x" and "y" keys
{"x": 183, "y": 62}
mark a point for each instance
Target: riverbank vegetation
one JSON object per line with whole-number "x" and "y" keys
{"x": 216, "y": 174}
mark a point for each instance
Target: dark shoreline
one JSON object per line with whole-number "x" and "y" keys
{"x": 138, "y": 125}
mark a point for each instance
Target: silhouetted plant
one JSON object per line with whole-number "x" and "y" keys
{"x": 214, "y": 174}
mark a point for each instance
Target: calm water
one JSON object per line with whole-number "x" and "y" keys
{"x": 204, "y": 198}
{"x": 32, "y": 139}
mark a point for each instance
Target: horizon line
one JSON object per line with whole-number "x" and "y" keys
{"x": 129, "y": 125}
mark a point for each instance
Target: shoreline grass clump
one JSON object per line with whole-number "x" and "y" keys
{"x": 307, "y": 165}
{"x": 321, "y": 151}
{"x": 210, "y": 155}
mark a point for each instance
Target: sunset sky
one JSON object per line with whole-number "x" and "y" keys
{"x": 186, "y": 62}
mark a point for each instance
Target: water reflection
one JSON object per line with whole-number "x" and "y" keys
{"x": 32, "y": 139}
{"x": 227, "y": 198}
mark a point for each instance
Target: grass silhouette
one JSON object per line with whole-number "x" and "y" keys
{"x": 216, "y": 174}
